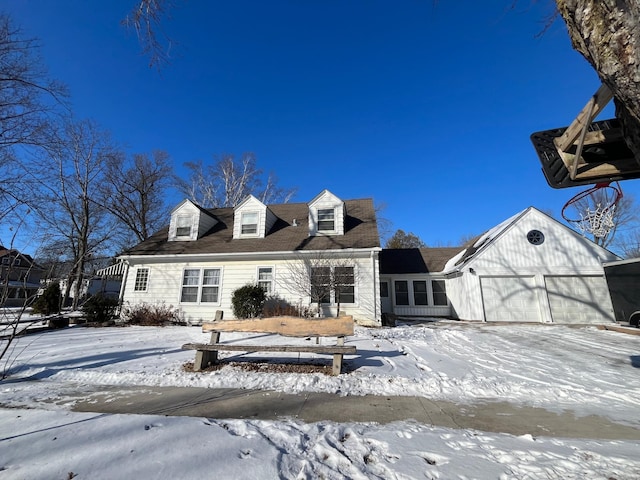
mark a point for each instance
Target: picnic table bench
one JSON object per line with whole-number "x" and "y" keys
{"x": 339, "y": 327}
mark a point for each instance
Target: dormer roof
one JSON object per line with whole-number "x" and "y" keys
{"x": 326, "y": 215}
{"x": 252, "y": 219}
{"x": 189, "y": 222}
{"x": 289, "y": 232}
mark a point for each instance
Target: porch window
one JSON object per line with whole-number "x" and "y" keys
{"x": 200, "y": 285}
{"x": 439, "y": 292}
{"x": 326, "y": 220}
{"x": 420, "y": 292}
{"x": 142, "y": 280}
{"x": 183, "y": 226}
{"x": 249, "y": 223}
{"x": 265, "y": 279}
{"x": 384, "y": 289}
{"x": 402, "y": 292}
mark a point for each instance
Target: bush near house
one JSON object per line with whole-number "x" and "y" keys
{"x": 49, "y": 302}
{"x": 100, "y": 308}
{"x": 247, "y": 301}
{"x": 279, "y": 307}
{"x": 152, "y": 315}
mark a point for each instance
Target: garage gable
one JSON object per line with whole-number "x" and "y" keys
{"x": 534, "y": 240}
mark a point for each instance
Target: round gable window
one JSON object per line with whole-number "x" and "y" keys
{"x": 535, "y": 237}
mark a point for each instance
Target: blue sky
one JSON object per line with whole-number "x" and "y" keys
{"x": 427, "y": 107}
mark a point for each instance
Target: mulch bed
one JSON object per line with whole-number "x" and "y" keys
{"x": 271, "y": 367}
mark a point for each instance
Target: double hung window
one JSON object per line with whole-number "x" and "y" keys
{"x": 265, "y": 279}
{"x": 183, "y": 226}
{"x": 326, "y": 220}
{"x": 249, "y": 223}
{"x": 439, "y": 292}
{"x": 200, "y": 285}
{"x": 420, "y": 293}
{"x": 333, "y": 285}
{"x": 321, "y": 284}
{"x": 402, "y": 292}
{"x": 345, "y": 285}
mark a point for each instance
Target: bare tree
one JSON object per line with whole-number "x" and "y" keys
{"x": 134, "y": 191}
{"x": 323, "y": 278}
{"x": 146, "y": 19}
{"x": 28, "y": 99}
{"x": 27, "y": 95}
{"x": 69, "y": 178}
{"x": 227, "y": 181}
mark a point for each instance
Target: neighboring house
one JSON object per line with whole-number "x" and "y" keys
{"x": 204, "y": 255}
{"x": 19, "y": 278}
{"x": 530, "y": 268}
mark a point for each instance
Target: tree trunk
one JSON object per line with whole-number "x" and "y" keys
{"x": 607, "y": 34}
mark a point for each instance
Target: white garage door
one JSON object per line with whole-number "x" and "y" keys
{"x": 579, "y": 299}
{"x": 510, "y": 299}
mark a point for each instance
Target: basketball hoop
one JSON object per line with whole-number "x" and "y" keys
{"x": 593, "y": 210}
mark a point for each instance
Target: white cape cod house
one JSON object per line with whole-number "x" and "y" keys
{"x": 529, "y": 268}
{"x": 203, "y": 255}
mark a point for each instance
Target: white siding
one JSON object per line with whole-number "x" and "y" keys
{"x": 165, "y": 281}
{"x": 252, "y": 204}
{"x": 326, "y": 200}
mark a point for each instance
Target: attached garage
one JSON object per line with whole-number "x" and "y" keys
{"x": 510, "y": 299}
{"x": 579, "y": 299}
{"x": 530, "y": 268}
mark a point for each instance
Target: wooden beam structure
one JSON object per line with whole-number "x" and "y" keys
{"x": 287, "y": 326}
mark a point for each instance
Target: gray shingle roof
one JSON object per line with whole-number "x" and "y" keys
{"x": 361, "y": 231}
{"x": 415, "y": 260}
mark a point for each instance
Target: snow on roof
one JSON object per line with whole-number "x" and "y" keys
{"x": 486, "y": 238}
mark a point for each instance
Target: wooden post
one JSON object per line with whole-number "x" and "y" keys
{"x": 337, "y": 364}
{"x": 204, "y": 358}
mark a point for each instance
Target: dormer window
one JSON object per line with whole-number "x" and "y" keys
{"x": 326, "y": 215}
{"x": 249, "y": 223}
{"x": 183, "y": 226}
{"x": 326, "y": 220}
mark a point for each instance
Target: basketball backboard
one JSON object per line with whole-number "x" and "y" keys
{"x": 586, "y": 152}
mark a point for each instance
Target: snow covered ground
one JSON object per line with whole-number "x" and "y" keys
{"x": 584, "y": 370}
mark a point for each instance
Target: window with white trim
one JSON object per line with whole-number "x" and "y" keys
{"x": 6, "y": 260}
{"x": 200, "y": 285}
{"x": 265, "y": 279}
{"x": 249, "y": 223}
{"x": 401, "y": 288}
{"x": 420, "y": 292}
{"x": 326, "y": 220}
{"x": 183, "y": 225}
{"x": 331, "y": 285}
{"x": 345, "y": 283}
{"x": 142, "y": 280}
{"x": 439, "y": 292}
{"x": 321, "y": 284}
